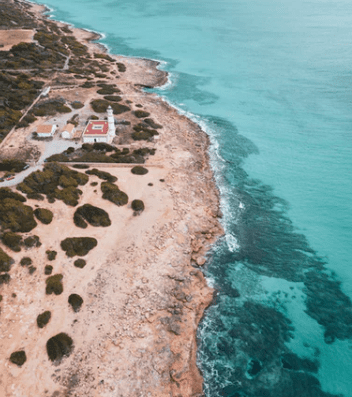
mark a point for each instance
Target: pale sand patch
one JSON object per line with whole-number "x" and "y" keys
{"x": 9, "y": 38}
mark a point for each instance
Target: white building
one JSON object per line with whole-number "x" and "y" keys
{"x": 46, "y": 130}
{"x": 100, "y": 130}
{"x": 68, "y": 131}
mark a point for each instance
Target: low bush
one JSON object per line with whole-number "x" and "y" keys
{"x": 5, "y": 261}
{"x": 12, "y": 165}
{"x": 79, "y": 246}
{"x": 5, "y": 193}
{"x": 50, "y": 107}
{"x": 112, "y": 193}
{"x": 137, "y": 206}
{"x": 76, "y": 302}
{"x": 43, "y": 319}
{"x": 32, "y": 269}
{"x": 58, "y": 347}
{"x": 139, "y": 170}
{"x": 121, "y": 67}
{"x": 113, "y": 98}
{"x": 80, "y": 263}
{"x": 153, "y": 124}
{"x": 141, "y": 114}
{"x": 102, "y": 175}
{"x": 88, "y": 84}
{"x": 48, "y": 270}
{"x": 35, "y": 196}
{"x": 16, "y": 216}
{"x": 26, "y": 261}
{"x": 43, "y": 215}
{"x": 32, "y": 241}
{"x": 18, "y": 358}
{"x": 93, "y": 215}
{"x": 77, "y": 105}
{"x": 80, "y": 166}
{"x": 4, "y": 278}
{"x": 51, "y": 255}
{"x": 94, "y": 184}
{"x": 12, "y": 241}
{"x": 54, "y": 285}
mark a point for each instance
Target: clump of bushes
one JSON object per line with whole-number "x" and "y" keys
{"x": 43, "y": 319}
{"x": 5, "y": 261}
{"x": 88, "y": 84}
{"x": 32, "y": 269}
{"x": 32, "y": 241}
{"x": 54, "y": 285}
{"x": 59, "y": 346}
{"x": 26, "y": 261}
{"x": 43, "y": 215}
{"x": 137, "y": 206}
{"x": 16, "y": 216}
{"x": 143, "y": 132}
{"x": 102, "y": 175}
{"x": 141, "y": 114}
{"x": 121, "y": 67}
{"x": 12, "y": 240}
{"x": 100, "y": 106}
{"x": 81, "y": 166}
{"x": 76, "y": 302}
{"x": 107, "y": 89}
{"x": 18, "y": 358}
{"x": 51, "y": 255}
{"x": 5, "y": 193}
{"x": 51, "y": 107}
{"x": 113, "y": 98}
{"x": 77, "y": 105}
{"x": 153, "y": 124}
{"x": 80, "y": 263}
{"x": 93, "y": 215}
{"x": 139, "y": 170}
{"x": 79, "y": 246}
{"x": 12, "y": 165}
{"x": 112, "y": 193}
{"x": 35, "y": 196}
{"x": 4, "y": 278}
{"x": 56, "y": 181}
{"x": 48, "y": 270}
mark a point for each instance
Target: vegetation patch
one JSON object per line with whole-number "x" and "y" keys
{"x": 102, "y": 175}
{"x": 48, "y": 270}
{"x": 18, "y": 358}
{"x": 137, "y": 206}
{"x": 32, "y": 269}
{"x": 112, "y": 193}
{"x": 141, "y": 114}
{"x": 153, "y": 124}
{"x": 101, "y": 105}
{"x": 77, "y": 105}
{"x": 43, "y": 215}
{"x": 26, "y": 261}
{"x": 79, "y": 246}
{"x": 43, "y": 319}
{"x": 5, "y": 261}
{"x": 59, "y": 346}
{"x": 4, "y": 278}
{"x": 5, "y": 192}
{"x": 54, "y": 285}
{"x": 32, "y": 241}
{"x": 139, "y": 170}
{"x": 142, "y": 131}
{"x": 121, "y": 67}
{"x": 12, "y": 165}
{"x": 76, "y": 302}
{"x": 93, "y": 215}
{"x": 56, "y": 181}
{"x": 81, "y": 166}
{"x": 51, "y": 107}
{"x": 80, "y": 263}
{"x": 16, "y": 216}
{"x": 51, "y": 255}
{"x": 35, "y": 196}
{"x": 113, "y": 98}
{"x": 12, "y": 241}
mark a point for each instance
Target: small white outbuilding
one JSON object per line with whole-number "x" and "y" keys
{"x": 46, "y": 130}
{"x": 68, "y": 131}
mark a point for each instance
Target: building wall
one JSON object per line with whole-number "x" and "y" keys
{"x": 97, "y": 139}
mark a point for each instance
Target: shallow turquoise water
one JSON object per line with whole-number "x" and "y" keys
{"x": 270, "y": 81}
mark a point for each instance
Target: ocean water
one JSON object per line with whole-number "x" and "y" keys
{"x": 270, "y": 81}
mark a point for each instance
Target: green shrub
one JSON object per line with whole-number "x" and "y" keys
{"x": 79, "y": 221}
{"x": 51, "y": 255}
{"x": 5, "y": 193}
{"x": 113, "y": 98}
{"x": 112, "y": 193}
{"x": 12, "y": 240}
{"x": 58, "y": 347}
{"x": 54, "y": 285}
{"x": 4, "y": 278}
{"x": 76, "y": 302}
{"x": 94, "y": 184}
{"x": 153, "y": 124}
{"x": 121, "y": 67}
{"x": 43, "y": 319}
{"x": 104, "y": 56}
{"x": 32, "y": 241}
{"x": 48, "y": 270}
{"x": 77, "y": 105}
{"x": 101, "y": 105}
{"x": 35, "y": 196}
{"x": 43, "y": 215}
{"x": 50, "y": 107}
{"x": 102, "y": 175}
{"x": 18, "y": 358}
{"x": 141, "y": 114}
{"x": 79, "y": 246}
{"x": 139, "y": 170}
{"x": 80, "y": 263}
{"x": 81, "y": 166}
{"x": 88, "y": 84}
{"x": 103, "y": 147}
{"x": 16, "y": 216}
{"x": 93, "y": 215}
{"x": 26, "y": 261}
{"x": 143, "y": 135}
{"x": 137, "y": 206}
{"x": 32, "y": 269}
{"x": 12, "y": 165}
{"x": 5, "y": 261}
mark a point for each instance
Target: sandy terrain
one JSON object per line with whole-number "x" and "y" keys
{"x": 142, "y": 288}
{"x": 9, "y": 38}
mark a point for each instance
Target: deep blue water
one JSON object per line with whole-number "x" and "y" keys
{"x": 270, "y": 81}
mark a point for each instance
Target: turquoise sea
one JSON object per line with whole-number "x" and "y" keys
{"x": 271, "y": 83}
